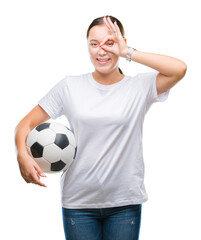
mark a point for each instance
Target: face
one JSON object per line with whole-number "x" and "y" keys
{"x": 103, "y": 61}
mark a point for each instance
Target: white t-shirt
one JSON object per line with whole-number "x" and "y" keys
{"x": 107, "y": 121}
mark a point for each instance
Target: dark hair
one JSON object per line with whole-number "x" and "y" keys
{"x": 99, "y": 21}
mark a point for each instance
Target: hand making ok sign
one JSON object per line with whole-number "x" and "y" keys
{"x": 117, "y": 44}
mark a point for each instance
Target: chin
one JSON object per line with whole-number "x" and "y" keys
{"x": 105, "y": 69}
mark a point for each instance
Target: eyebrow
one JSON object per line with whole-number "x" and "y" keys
{"x": 93, "y": 40}
{"x": 97, "y": 40}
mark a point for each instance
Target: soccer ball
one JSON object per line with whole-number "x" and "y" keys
{"x": 53, "y": 146}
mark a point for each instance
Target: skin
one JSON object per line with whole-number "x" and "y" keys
{"x": 170, "y": 69}
{"x": 111, "y": 45}
{"x": 104, "y": 74}
{"x": 29, "y": 169}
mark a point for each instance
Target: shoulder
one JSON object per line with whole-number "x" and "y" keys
{"x": 146, "y": 79}
{"x": 141, "y": 79}
{"x": 143, "y": 76}
{"x": 147, "y": 75}
{"x": 68, "y": 79}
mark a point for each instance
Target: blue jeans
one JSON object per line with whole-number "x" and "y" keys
{"x": 115, "y": 223}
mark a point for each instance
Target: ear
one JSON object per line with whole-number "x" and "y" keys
{"x": 125, "y": 40}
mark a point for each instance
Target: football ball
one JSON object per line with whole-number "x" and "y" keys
{"x": 53, "y": 146}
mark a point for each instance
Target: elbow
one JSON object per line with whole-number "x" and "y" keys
{"x": 182, "y": 71}
{"x": 16, "y": 129}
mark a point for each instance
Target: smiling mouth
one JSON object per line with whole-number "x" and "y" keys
{"x": 103, "y": 61}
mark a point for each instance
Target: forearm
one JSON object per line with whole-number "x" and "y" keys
{"x": 29, "y": 169}
{"x": 21, "y": 132}
{"x": 166, "y": 65}
{"x": 31, "y": 120}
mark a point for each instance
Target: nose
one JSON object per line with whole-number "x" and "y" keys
{"x": 101, "y": 51}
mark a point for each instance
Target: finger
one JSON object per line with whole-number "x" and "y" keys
{"x": 108, "y": 37}
{"x": 39, "y": 171}
{"x": 117, "y": 28}
{"x": 35, "y": 178}
{"x": 107, "y": 49}
{"x": 106, "y": 23}
{"x": 41, "y": 175}
{"x": 112, "y": 27}
{"x": 38, "y": 182}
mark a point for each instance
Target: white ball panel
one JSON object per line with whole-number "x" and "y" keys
{"x": 32, "y": 137}
{"x": 43, "y": 164}
{"x": 71, "y": 138}
{"x": 46, "y": 137}
{"x": 58, "y": 128}
{"x": 67, "y": 155}
{"x": 52, "y": 153}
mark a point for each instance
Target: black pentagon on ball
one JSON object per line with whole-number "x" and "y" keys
{"x": 57, "y": 166}
{"x": 61, "y": 140}
{"x": 42, "y": 126}
{"x": 36, "y": 150}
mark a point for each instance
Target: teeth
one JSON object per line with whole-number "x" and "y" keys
{"x": 103, "y": 60}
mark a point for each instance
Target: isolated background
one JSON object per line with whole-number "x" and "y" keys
{"x": 41, "y": 42}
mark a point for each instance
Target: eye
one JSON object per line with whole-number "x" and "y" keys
{"x": 94, "y": 44}
{"x": 110, "y": 43}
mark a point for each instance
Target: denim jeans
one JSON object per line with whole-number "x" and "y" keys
{"x": 115, "y": 223}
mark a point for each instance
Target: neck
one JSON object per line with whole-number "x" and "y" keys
{"x": 107, "y": 78}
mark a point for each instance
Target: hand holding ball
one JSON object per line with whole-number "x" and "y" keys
{"x": 53, "y": 146}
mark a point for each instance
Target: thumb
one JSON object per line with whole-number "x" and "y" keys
{"x": 105, "y": 48}
{"x": 106, "y": 38}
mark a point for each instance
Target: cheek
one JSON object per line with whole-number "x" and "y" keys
{"x": 115, "y": 58}
{"x": 92, "y": 52}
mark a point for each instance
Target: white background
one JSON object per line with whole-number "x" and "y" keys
{"x": 42, "y": 41}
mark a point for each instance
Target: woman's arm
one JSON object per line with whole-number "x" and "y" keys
{"x": 29, "y": 169}
{"x": 170, "y": 69}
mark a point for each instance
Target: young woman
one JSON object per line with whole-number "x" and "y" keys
{"x": 103, "y": 190}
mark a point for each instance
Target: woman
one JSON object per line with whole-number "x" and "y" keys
{"x": 103, "y": 190}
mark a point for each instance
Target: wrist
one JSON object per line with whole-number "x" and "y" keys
{"x": 21, "y": 154}
{"x": 124, "y": 52}
{"x": 129, "y": 53}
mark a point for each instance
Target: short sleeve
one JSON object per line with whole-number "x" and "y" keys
{"x": 149, "y": 81}
{"x": 161, "y": 97}
{"x": 52, "y": 102}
